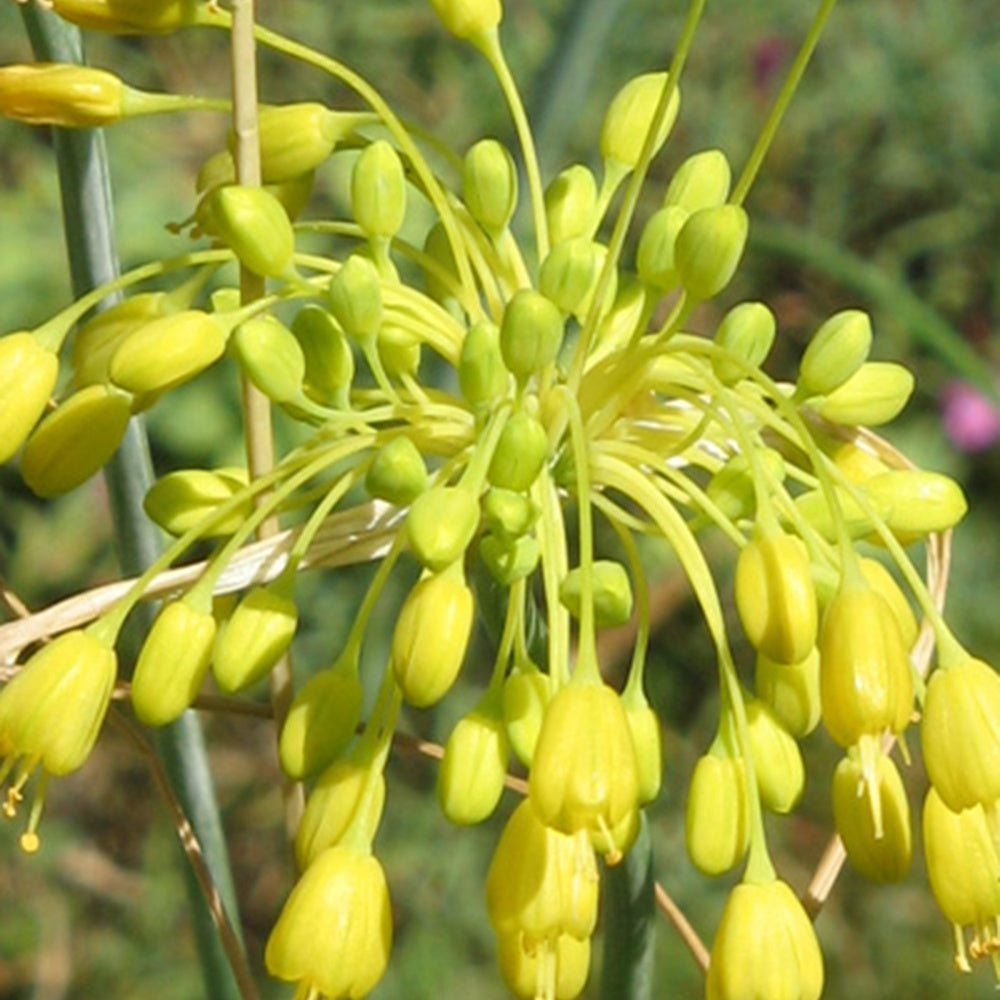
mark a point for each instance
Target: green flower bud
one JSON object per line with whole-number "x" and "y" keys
{"x": 28, "y": 374}
{"x": 509, "y": 559}
{"x": 777, "y": 760}
{"x": 746, "y": 333}
{"x": 439, "y": 267}
{"x": 399, "y": 350}
{"x": 875, "y": 394}
{"x": 732, "y": 488}
{"x": 526, "y": 693}
{"x": 837, "y": 350}
{"x": 356, "y": 298}
{"x": 630, "y": 117}
{"x": 489, "y": 185}
{"x": 621, "y": 321}
{"x": 270, "y": 357}
{"x": 569, "y": 273}
{"x": 328, "y": 356}
{"x": 75, "y": 440}
{"x": 701, "y": 181}
{"x": 791, "y": 691}
{"x": 716, "y": 828}
{"x": 397, "y": 473}
{"x": 178, "y": 501}
{"x": 128, "y": 17}
{"x": 321, "y": 722}
{"x": 814, "y": 507}
{"x": 881, "y": 855}
{"x": 775, "y": 596}
{"x": 172, "y": 663}
{"x": 431, "y": 636}
{"x": 254, "y": 638}
{"x": 255, "y": 226}
{"x": 468, "y": 18}
{"x": 563, "y": 962}
{"x": 570, "y": 203}
{"x": 296, "y": 138}
{"x": 531, "y": 333}
{"x": 509, "y": 514}
{"x": 654, "y": 259}
{"x": 708, "y": 249}
{"x": 473, "y": 768}
{"x": 441, "y": 524}
{"x": 520, "y": 453}
{"x": 611, "y": 589}
{"x": 168, "y": 351}
{"x": 482, "y": 375}
{"x": 378, "y": 191}
{"x": 916, "y": 502}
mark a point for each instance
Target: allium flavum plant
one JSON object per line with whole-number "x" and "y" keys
{"x": 477, "y": 402}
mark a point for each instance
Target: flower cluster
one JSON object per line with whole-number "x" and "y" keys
{"x": 574, "y": 392}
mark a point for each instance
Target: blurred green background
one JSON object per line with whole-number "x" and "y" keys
{"x": 882, "y": 191}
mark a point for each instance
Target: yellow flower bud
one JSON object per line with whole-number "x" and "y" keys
{"x": 28, "y": 375}
{"x": 531, "y": 333}
{"x": 881, "y": 852}
{"x": 837, "y": 350}
{"x": 468, "y": 18}
{"x": 255, "y": 226}
{"x": 520, "y": 453}
{"x": 182, "y": 499}
{"x": 526, "y": 694}
{"x": 328, "y": 356}
{"x": 569, "y": 273}
{"x": 173, "y": 662}
{"x": 441, "y": 524}
{"x": 322, "y": 720}
{"x": 344, "y": 893}
{"x": 356, "y": 298}
{"x": 791, "y": 691}
{"x": 630, "y": 117}
{"x": 67, "y": 95}
{"x": 270, "y": 357}
{"x": 471, "y": 777}
{"x": 397, "y": 472}
{"x": 128, "y": 17}
{"x": 777, "y": 760}
{"x": 584, "y": 774}
{"x": 765, "y": 947}
{"x": 813, "y": 506}
{"x": 399, "y": 350}
{"x": 489, "y": 185}
{"x": 553, "y": 970}
{"x": 875, "y": 394}
{"x": 701, "y": 181}
{"x": 716, "y": 827}
{"x": 644, "y": 725}
{"x": 168, "y": 351}
{"x": 746, "y": 333}
{"x": 75, "y": 440}
{"x": 509, "y": 559}
{"x": 853, "y": 459}
{"x": 570, "y": 202}
{"x": 709, "y": 247}
{"x": 775, "y": 596}
{"x": 378, "y": 191}
{"x": 880, "y": 579}
{"x": 914, "y": 502}
{"x": 654, "y": 258}
{"x": 960, "y": 734}
{"x": 482, "y": 375}
{"x": 611, "y": 590}
{"x": 431, "y": 637}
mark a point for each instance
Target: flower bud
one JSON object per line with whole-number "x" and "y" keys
{"x": 328, "y": 356}
{"x": 765, "y": 947}
{"x": 344, "y": 892}
{"x": 746, "y": 333}
{"x": 708, "y": 249}
{"x": 548, "y": 968}
{"x": 356, "y": 298}
{"x": 509, "y": 514}
{"x": 439, "y": 267}
{"x": 28, "y": 374}
{"x": 875, "y": 394}
{"x": 917, "y": 502}
{"x": 837, "y": 350}
{"x": 569, "y": 274}
{"x": 128, "y": 17}
{"x": 960, "y": 734}
{"x": 732, "y": 488}
{"x": 270, "y": 357}
{"x": 75, "y": 440}
{"x": 570, "y": 203}
{"x": 468, "y": 18}
{"x": 880, "y": 579}
{"x": 777, "y": 760}
{"x": 378, "y": 191}
{"x": 813, "y": 505}
{"x": 654, "y": 259}
{"x": 431, "y": 636}
{"x": 473, "y": 768}
{"x": 172, "y": 663}
{"x": 399, "y": 350}
{"x": 254, "y": 637}
{"x": 180, "y": 500}
{"x": 775, "y": 596}
{"x": 856, "y": 461}
{"x": 531, "y": 333}
{"x": 520, "y": 453}
{"x": 526, "y": 694}
{"x": 397, "y": 473}
{"x": 630, "y": 117}
{"x": 716, "y": 827}
{"x": 296, "y": 138}
{"x": 791, "y": 691}
{"x": 255, "y": 226}
{"x": 509, "y": 559}
{"x": 321, "y": 722}
{"x": 880, "y": 854}
{"x": 441, "y": 524}
{"x": 68, "y": 96}
{"x": 611, "y": 590}
{"x": 644, "y": 725}
{"x": 168, "y": 351}
{"x": 489, "y": 185}
{"x": 701, "y": 181}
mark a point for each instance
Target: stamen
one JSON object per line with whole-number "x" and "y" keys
{"x": 961, "y": 958}
{"x": 613, "y": 855}
{"x": 30, "y": 841}
{"x": 868, "y": 751}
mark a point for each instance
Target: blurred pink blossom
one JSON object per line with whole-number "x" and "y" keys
{"x": 970, "y": 419}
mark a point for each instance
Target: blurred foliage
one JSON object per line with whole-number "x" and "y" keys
{"x": 890, "y": 152}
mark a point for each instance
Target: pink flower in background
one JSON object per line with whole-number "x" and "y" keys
{"x": 970, "y": 419}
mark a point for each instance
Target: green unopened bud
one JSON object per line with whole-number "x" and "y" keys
{"x": 473, "y": 768}
{"x": 531, "y": 333}
{"x": 520, "y": 453}
{"x": 709, "y": 247}
{"x": 75, "y": 440}
{"x": 328, "y": 356}
{"x": 468, "y": 18}
{"x": 180, "y": 500}
{"x": 255, "y": 226}
{"x": 716, "y": 825}
{"x": 569, "y": 274}
{"x": 813, "y": 505}
{"x": 630, "y": 117}
{"x": 128, "y": 17}
{"x": 509, "y": 559}
{"x": 917, "y": 502}
{"x": 526, "y": 692}
{"x": 270, "y": 357}
{"x": 356, "y": 298}
{"x": 654, "y": 258}
{"x": 791, "y": 691}
{"x": 378, "y": 191}
{"x": 732, "y": 488}
{"x": 399, "y": 350}
{"x": 482, "y": 375}
{"x": 254, "y": 637}
{"x": 168, "y": 351}
{"x": 28, "y": 374}
{"x": 611, "y": 590}
{"x": 397, "y": 472}
{"x": 701, "y": 181}
{"x": 431, "y": 636}
{"x": 296, "y": 138}
{"x": 489, "y": 185}
{"x": 441, "y": 524}
{"x": 875, "y": 394}
{"x": 746, "y": 333}
{"x": 172, "y": 663}
{"x": 777, "y": 760}
{"x": 440, "y": 269}
{"x": 570, "y": 202}
{"x": 509, "y": 514}
{"x": 620, "y": 322}
{"x": 837, "y": 350}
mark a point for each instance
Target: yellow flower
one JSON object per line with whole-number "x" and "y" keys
{"x": 544, "y": 970}
{"x": 128, "y": 17}
{"x": 28, "y": 375}
{"x": 56, "y": 94}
